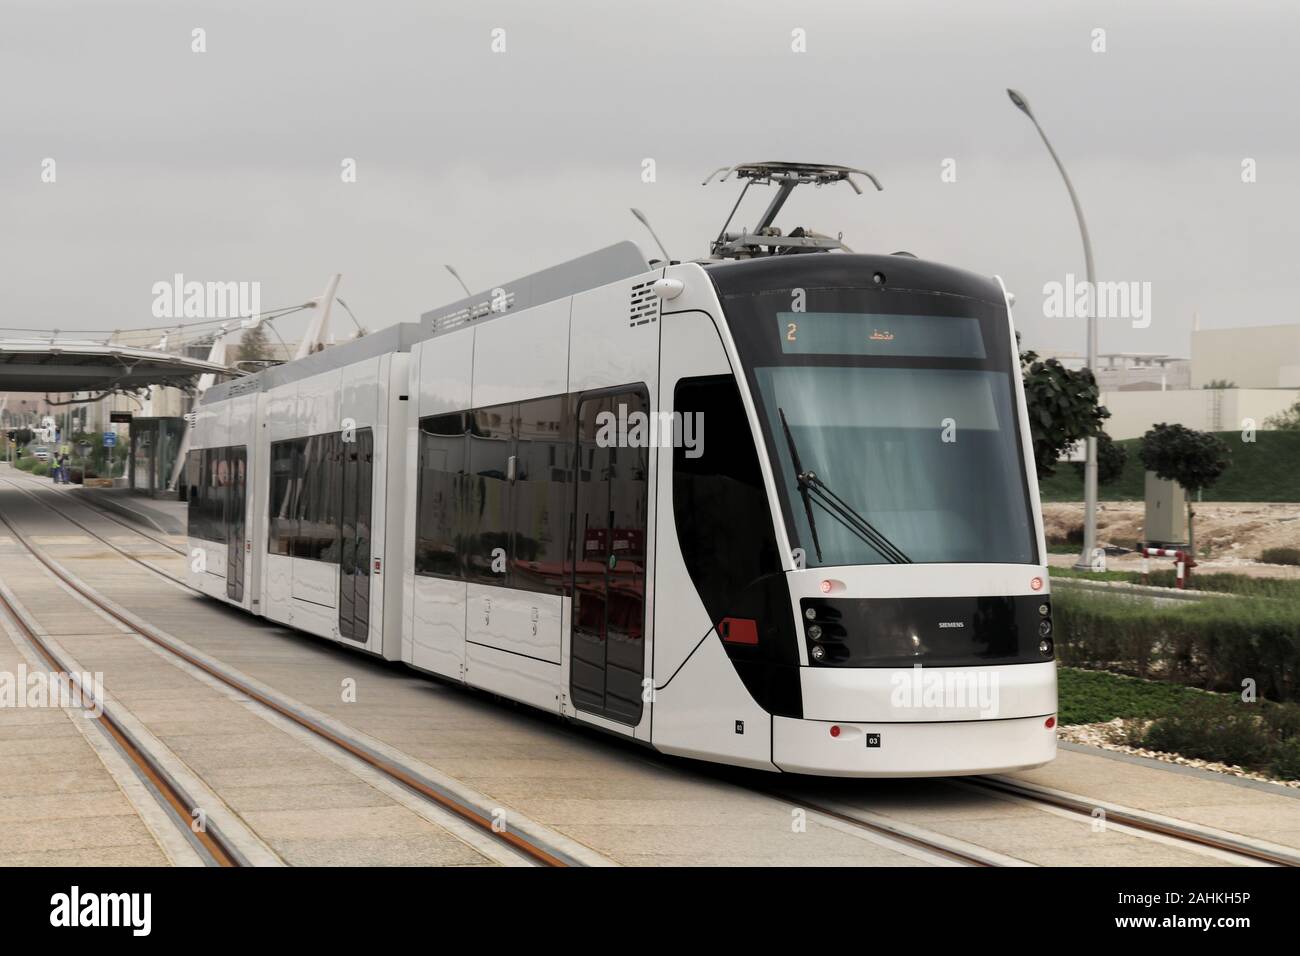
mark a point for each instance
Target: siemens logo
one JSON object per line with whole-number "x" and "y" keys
{"x": 952, "y": 623}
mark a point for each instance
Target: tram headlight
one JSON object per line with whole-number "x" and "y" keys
{"x": 1044, "y": 628}
{"x": 1045, "y": 647}
{"x": 817, "y": 653}
{"x": 1044, "y": 610}
{"x": 811, "y": 613}
{"x": 815, "y": 632}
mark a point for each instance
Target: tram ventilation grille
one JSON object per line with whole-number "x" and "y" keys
{"x": 645, "y": 304}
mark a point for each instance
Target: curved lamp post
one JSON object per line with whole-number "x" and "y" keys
{"x": 1090, "y": 468}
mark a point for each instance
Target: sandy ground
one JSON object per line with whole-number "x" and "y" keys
{"x": 1234, "y": 532}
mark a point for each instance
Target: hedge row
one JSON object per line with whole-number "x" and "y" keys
{"x": 1216, "y": 644}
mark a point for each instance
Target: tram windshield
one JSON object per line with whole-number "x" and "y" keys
{"x": 894, "y": 435}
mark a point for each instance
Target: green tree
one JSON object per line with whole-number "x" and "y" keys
{"x": 1285, "y": 421}
{"x": 1219, "y": 383}
{"x": 1111, "y": 459}
{"x": 254, "y": 345}
{"x": 1062, "y": 408}
{"x": 1194, "y": 459}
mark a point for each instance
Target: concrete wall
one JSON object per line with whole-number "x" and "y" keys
{"x": 1132, "y": 413}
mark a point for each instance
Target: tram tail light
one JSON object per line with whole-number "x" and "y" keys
{"x": 738, "y": 630}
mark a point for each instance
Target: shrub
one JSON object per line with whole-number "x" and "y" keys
{"x": 1163, "y": 577}
{"x": 1222, "y": 728}
{"x": 1280, "y": 556}
{"x": 26, "y": 463}
{"x": 1286, "y": 760}
{"x": 1111, "y": 458}
{"x": 1286, "y": 420}
{"x": 40, "y": 469}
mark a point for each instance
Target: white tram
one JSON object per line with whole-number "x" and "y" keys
{"x": 776, "y": 508}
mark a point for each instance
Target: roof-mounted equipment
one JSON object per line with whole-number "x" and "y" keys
{"x": 766, "y": 239}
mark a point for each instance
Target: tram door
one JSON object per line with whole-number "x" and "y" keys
{"x": 235, "y": 464}
{"x": 357, "y": 459}
{"x": 607, "y": 548}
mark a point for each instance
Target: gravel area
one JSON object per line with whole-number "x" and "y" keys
{"x": 1111, "y": 735}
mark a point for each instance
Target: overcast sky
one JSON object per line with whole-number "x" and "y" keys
{"x": 225, "y": 165}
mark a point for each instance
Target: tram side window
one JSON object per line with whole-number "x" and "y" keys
{"x": 318, "y": 470}
{"x": 724, "y": 523}
{"x": 539, "y": 496}
{"x": 237, "y": 456}
{"x": 487, "y": 521}
{"x": 330, "y": 500}
{"x": 345, "y": 509}
{"x": 216, "y": 471}
{"x": 194, "y": 493}
{"x": 440, "y": 496}
{"x": 215, "y": 495}
{"x": 305, "y": 478}
{"x": 282, "y": 502}
{"x": 306, "y": 509}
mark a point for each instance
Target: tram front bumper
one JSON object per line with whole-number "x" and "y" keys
{"x": 912, "y": 749}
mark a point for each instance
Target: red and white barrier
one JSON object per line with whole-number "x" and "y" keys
{"x": 1182, "y": 563}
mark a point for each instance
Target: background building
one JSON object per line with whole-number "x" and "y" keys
{"x": 1261, "y": 356}
{"x": 1260, "y": 364}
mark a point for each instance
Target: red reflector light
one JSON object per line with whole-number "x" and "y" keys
{"x": 835, "y": 730}
{"x": 1049, "y": 723}
{"x": 827, "y": 586}
{"x": 1036, "y": 584}
{"x": 738, "y": 630}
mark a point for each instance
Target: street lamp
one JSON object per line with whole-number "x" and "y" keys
{"x": 1090, "y": 467}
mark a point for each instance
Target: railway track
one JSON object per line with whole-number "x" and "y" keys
{"x": 949, "y": 849}
{"x": 889, "y": 830}
{"x": 1228, "y": 847}
{"x": 40, "y": 495}
{"x": 535, "y": 850}
{"x": 1250, "y": 851}
{"x": 181, "y": 807}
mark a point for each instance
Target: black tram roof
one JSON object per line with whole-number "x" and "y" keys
{"x": 829, "y": 270}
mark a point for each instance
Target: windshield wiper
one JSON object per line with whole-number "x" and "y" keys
{"x": 813, "y": 488}
{"x": 803, "y": 488}
{"x": 851, "y": 519}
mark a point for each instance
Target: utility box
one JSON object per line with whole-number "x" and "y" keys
{"x": 1166, "y": 512}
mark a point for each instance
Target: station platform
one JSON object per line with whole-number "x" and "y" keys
{"x": 165, "y": 515}
{"x": 161, "y": 514}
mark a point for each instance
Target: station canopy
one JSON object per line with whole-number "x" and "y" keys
{"x": 33, "y": 365}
